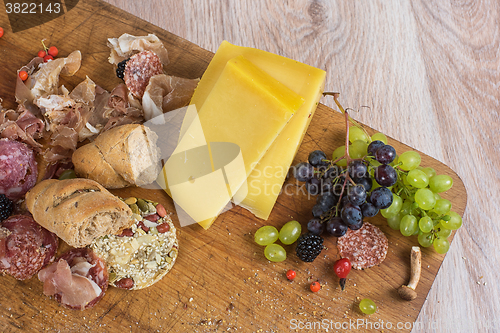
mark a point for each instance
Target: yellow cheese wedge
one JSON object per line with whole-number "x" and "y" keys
{"x": 266, "y": 180}
{"x": 245, "y": 107}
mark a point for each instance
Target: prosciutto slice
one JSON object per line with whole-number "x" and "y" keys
{"x": 75, "y": 290}
{"x": 126, "y": 45}
{"x": 21, "y": 125}
{"x": 78, "y": 280}
{"x": 166, "y": 93}
{"x": 68, "y": 116}
{"x": 43, "y": 79}
{"x": 119, "y": 110}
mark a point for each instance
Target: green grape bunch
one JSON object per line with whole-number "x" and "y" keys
{"x": 417, "y": 207}
{"x": 365, "y": 177}
{"x": 410, "y": 202}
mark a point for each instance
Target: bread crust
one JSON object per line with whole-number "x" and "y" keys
{"x": 89, "y": 163}
{"x": 111, "y": 159}
{"x": 77, "y": 210}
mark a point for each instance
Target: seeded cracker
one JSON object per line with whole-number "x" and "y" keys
{"x": 365, "y": 247}
{"x": 144, "y": 256}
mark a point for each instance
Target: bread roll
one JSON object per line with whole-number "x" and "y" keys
{"x": 77, "y": 210}
{"x": 123, "y": 156}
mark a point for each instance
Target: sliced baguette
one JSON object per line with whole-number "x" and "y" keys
{"x": 77, "y": 210}
{"x": 123, "y": 156}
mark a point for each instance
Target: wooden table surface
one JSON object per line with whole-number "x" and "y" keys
{"x": 429, "y": 71}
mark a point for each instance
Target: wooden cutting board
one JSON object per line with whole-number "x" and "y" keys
{"x": 221, "y": 281}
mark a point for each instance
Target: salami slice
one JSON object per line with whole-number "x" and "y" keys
{"x": 25, "y": 247}
{"x": 78, "y": 280}
{"x": 139, "y": 69}
{"x": 18, "y": 169}
{"x": 365, "y": 247}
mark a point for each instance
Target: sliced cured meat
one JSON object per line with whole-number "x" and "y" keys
{"x": 67, "y": 119}
{"x": 55, "y": 170}
{"x": 166, "y": 93}
{"x": 139, "y": 69}
{"x": 119, "y": 110}
{"x": 43, "y": 79}
{"x": 78, "y": 280}
{"x": 18, "y": 169}
{"x": 365, "y": 247}
{"x": 126, "y": 45}
{"x": 21, "y": 125}
{"x": 95, "y": 120}
{"x": 23, "y": 93}
{"x": 46, "y": 77}
{"x": 25, "y": 247}
{"x": 118, "y": 99}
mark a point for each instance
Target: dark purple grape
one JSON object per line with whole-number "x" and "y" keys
{"x": 327, "y": 186}
{"x": 366, "y": 182}
{"x": 313, "y": 186}
{"x": 385, "y": 154}
{"x": 374, "y": 146}
{"x": 351, "y": 214}
{"x": 316, "y": 158}
{"x": 344, "y": 200}
{"x": 381, "y": 197}
{"x": 326, "y": 200}
{"x": 357, "y": 169}
{"x": 303, "y": 171}
{"x": 332, "y": 172}
{"x": 318, "y": 210}
{"x": 357, "y": 195}
{"x": 357, "y": 225}
{"x": 336, "y": 227}
{"x": 368, "y": 209}
{"x": 315, "y": 227}
{"x": 385, "y": 175}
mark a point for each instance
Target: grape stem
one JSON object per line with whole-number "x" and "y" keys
{"x": 354, "y": 122}
{"x": 346, "y": 155}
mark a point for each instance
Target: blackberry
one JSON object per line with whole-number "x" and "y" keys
{"x": 6, "y": 207}
{"x": 309, "y": 246}
{"x": 120, "y": 70}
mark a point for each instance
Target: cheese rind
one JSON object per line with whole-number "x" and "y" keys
{"x": 267, "y": 178}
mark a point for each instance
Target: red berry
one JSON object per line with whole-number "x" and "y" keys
{"x": 1, "y": 32}
{"x": 23, "y": 75}
{"x": 342, "y": 267}
{"x": 53, "y": 51}
{"x": 47, "y": 58}
{"x": 290, "y": 274}
{"x": 315, "y": 286}
{"x": 41, "y": 53}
